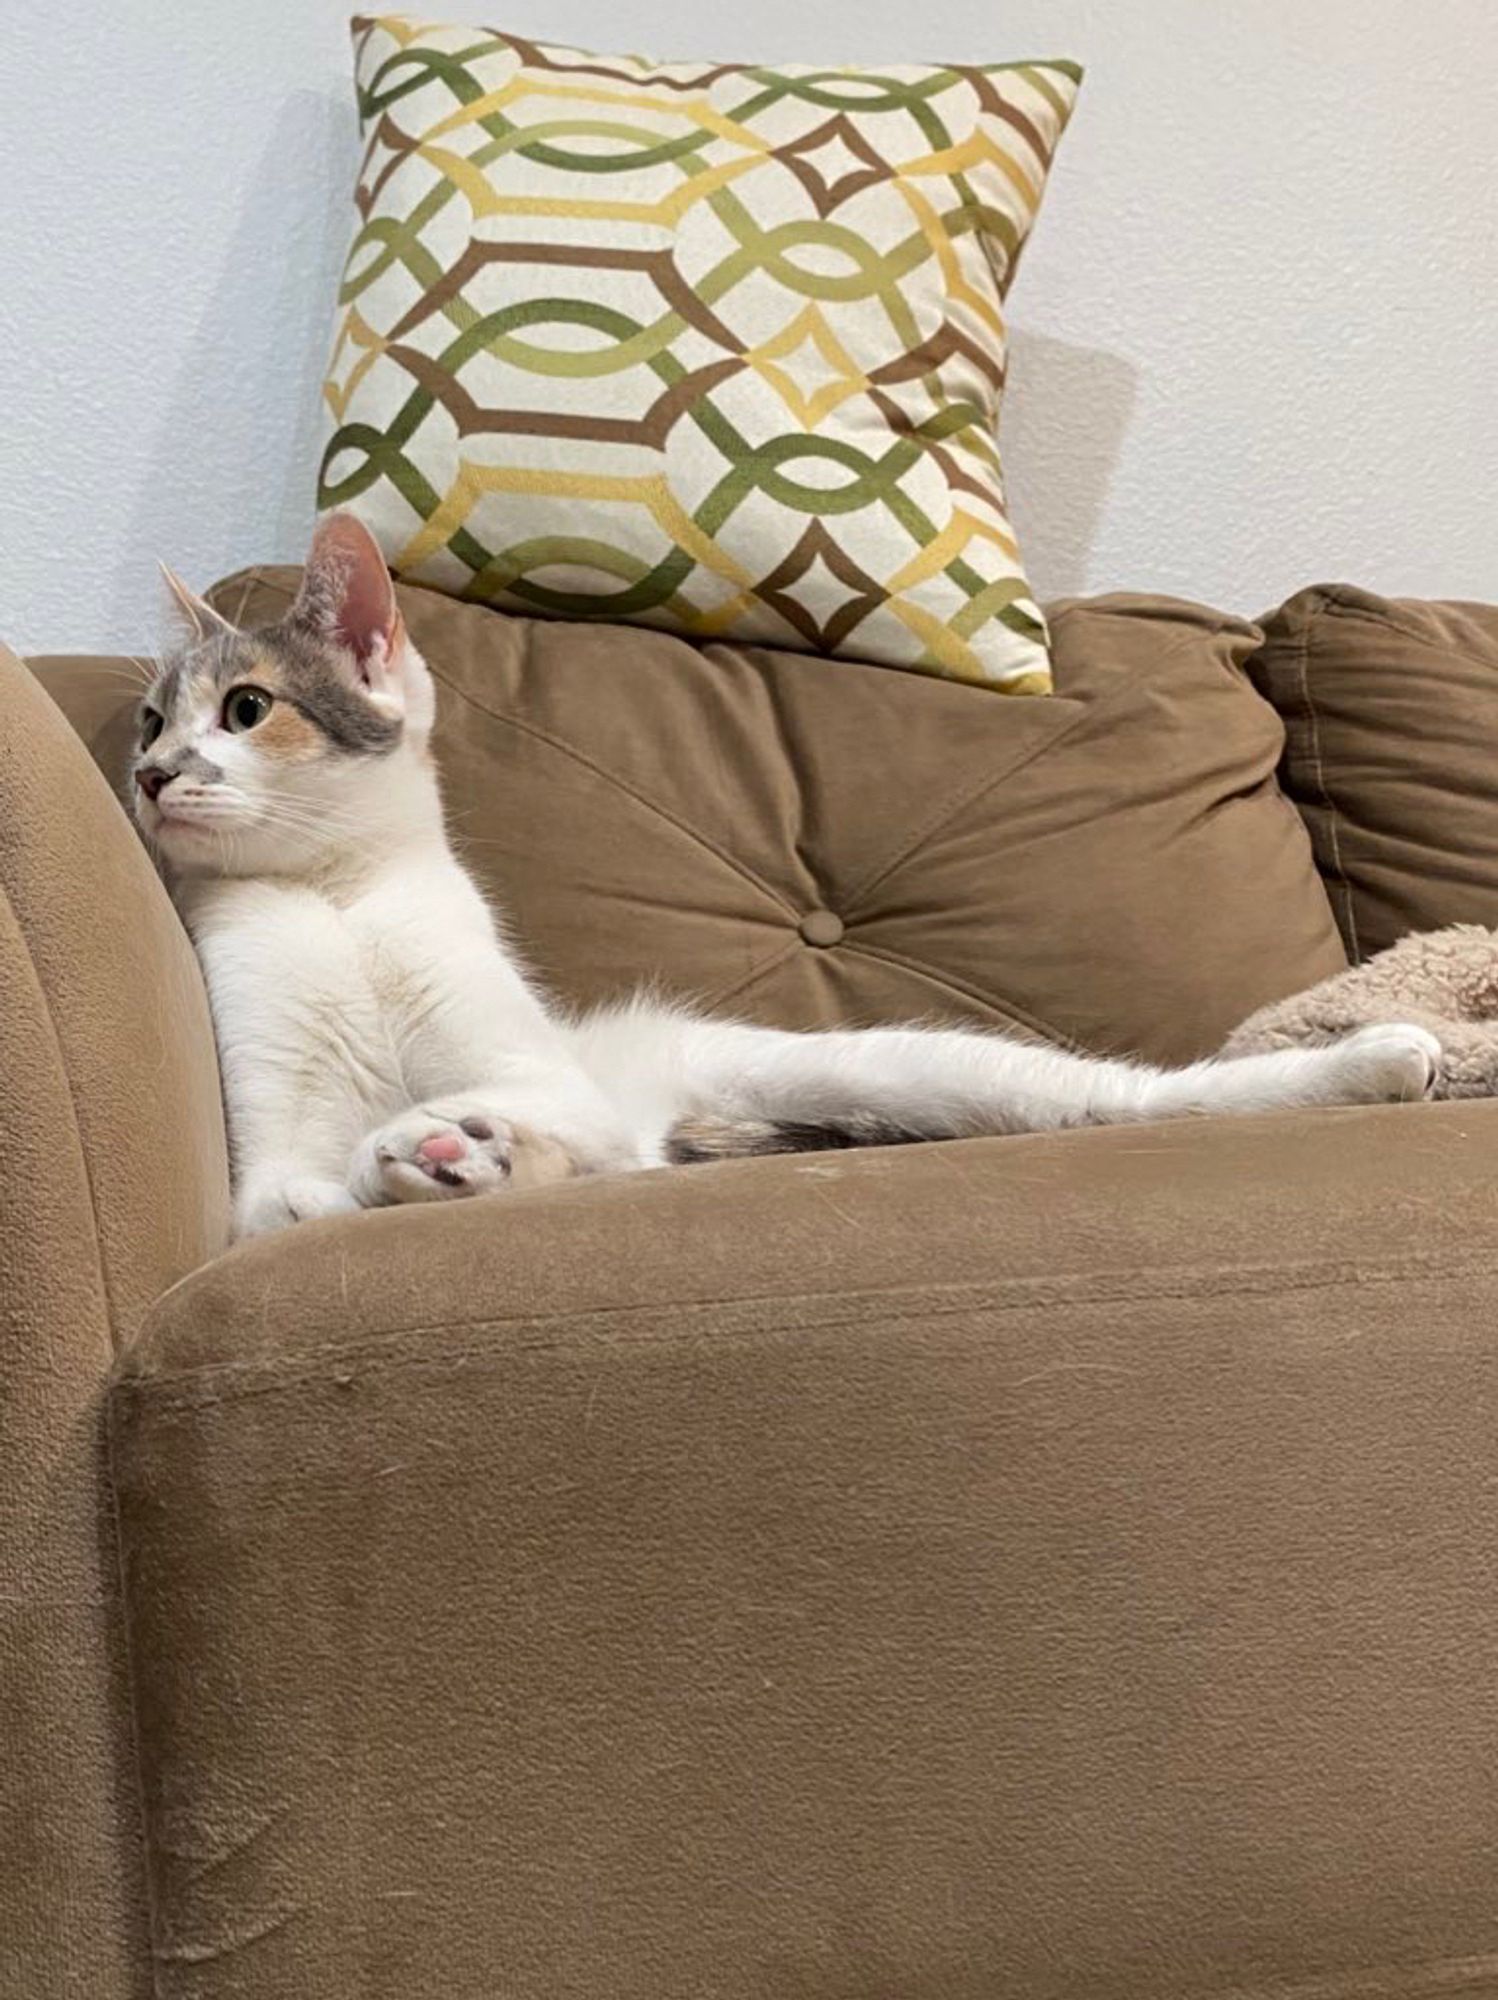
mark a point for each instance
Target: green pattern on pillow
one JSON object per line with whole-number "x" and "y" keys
{"x": 716, "y": 348}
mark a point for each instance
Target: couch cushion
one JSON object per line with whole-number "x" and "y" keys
{"x": 805, "y": 843}
{"x": 1390, "y": 708}
{"x": 713, "y": 347}
{"x": 1013, "y": 1570}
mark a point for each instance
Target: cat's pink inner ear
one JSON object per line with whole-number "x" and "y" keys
{"x": 348, "y": 588}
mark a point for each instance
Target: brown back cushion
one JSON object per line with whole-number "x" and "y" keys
{"x": 1390, "y": 708}
{"x": 810, "y": 842}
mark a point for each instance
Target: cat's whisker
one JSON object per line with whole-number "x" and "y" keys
{"x": 312, "y": 821}
{"x": 119, "y": 671}
{"x": 319, "y": 812}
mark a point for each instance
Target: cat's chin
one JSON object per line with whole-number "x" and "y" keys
{"x": 170, "y": 833}
{"x": 192, "y": 846}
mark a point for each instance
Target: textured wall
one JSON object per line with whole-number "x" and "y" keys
{"x": 1255, "y": 338}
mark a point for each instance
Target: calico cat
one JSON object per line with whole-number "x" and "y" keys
{"x": 380, "y": 1041}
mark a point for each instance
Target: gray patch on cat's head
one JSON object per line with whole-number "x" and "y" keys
{"x": 314, "y": 676}
{"x": 193, "y": 764}
{"x": 294, "y": 665}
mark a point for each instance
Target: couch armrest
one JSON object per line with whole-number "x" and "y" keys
{"x": 112, "y": 970}
{"x": 1052, "y": 1568}
{"x": 113, "y": 1184}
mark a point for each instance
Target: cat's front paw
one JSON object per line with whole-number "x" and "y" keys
{"x": 275, "y": 1201}
{"x": 435, "y": 1153}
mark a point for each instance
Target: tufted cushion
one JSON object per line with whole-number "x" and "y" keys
{"x": 1390, "y": 708}
{"x": 806, "y": 842}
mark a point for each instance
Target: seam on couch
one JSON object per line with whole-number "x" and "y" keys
{"x": 1007, "y": 1015}
{"x": 45, "y": 998}
{"x": 949, "y": 809}
{"x": 529, "y": 1335}
{"x": 621, "y": 785}
{"x": 132, "y": 1697}
{"x": 1445, "y": 1979}
{"x": 1337, "y": 602}
{"x": 720, "y": 996}
{"x": 1313, "y": 737}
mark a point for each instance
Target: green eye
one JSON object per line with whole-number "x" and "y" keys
{"x": 151, "y": 726}
{"x": 244, "y": 707}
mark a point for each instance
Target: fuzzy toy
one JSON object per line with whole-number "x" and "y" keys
{"x": 1446, "y": 981}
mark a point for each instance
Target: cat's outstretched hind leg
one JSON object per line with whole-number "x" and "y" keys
{"x": 754, "y": 1090}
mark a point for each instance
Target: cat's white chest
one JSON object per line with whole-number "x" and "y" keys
{"x": 430, "y": 963}
{"x": 336, "y": 996}
{"x": 398, "y": 945}
{"x": 338, "y": 1006}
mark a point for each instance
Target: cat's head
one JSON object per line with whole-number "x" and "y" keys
{"x": 267, "y": 751}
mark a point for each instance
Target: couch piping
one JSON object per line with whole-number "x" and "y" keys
{"x": 1318, "y": 765}
{"x": 45, "y": 997}
{"x": 1442, "y": 1979}
{"x": 132, "y": 1695}
{"x": 921, "y": 1303}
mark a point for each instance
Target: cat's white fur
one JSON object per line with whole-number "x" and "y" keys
{"x": 366, "y": 1002}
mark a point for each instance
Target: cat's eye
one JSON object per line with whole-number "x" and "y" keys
{"x": 244, "y": 707}
{"x": 151, "y": 726}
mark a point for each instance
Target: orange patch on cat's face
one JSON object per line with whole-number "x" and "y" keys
{"x": 285, "y": 734}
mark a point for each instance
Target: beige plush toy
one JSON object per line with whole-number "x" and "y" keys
{"x": 1446, "y": 981}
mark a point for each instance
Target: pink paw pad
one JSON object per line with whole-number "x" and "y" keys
{"x": 441, "y": 1147}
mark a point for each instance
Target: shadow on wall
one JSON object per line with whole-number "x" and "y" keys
{"x": 233, "y": 469}
{"x": 1066, "y": 414}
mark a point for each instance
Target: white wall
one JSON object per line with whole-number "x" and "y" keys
{"x": 1255, "y": 336}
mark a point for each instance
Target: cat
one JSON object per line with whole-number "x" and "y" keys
{"x": 380, "y": 1040}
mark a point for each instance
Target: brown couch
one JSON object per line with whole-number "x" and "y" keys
{"x": 1029, "y": 1569}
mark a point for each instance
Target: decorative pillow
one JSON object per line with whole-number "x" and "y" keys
{"x": 712, "y": 347}
{"x": 1390, "y": 707}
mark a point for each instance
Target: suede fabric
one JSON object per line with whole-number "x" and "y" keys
{"x": 1032, "y": 1569}
{"x": 1040, "y": 1569}
{"x": 123, "y": 985}
{"x": 112, "y": 1185}
{"x": 809, "y": 842}
{"x": 1390, "y": 708}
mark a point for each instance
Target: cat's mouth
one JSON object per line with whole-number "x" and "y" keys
{"x": 181, "y": 816}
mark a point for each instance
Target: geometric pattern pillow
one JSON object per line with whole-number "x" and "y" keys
{"x": 712, "y": 347}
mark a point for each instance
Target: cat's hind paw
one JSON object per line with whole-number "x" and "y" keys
{"x": 428, "y": 1155}
{"x": 1391, "y": 1062}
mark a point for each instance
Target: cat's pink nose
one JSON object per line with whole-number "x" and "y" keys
{"x": 442, "y": 1146}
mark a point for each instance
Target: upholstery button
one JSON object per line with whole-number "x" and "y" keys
{"x": 821, "y": 927}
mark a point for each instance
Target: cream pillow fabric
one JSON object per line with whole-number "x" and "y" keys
{"x": 712, "y": 347}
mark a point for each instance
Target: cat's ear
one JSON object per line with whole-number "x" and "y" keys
{"x": 347, "y": 598}
{"x": 202, "y": 621}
